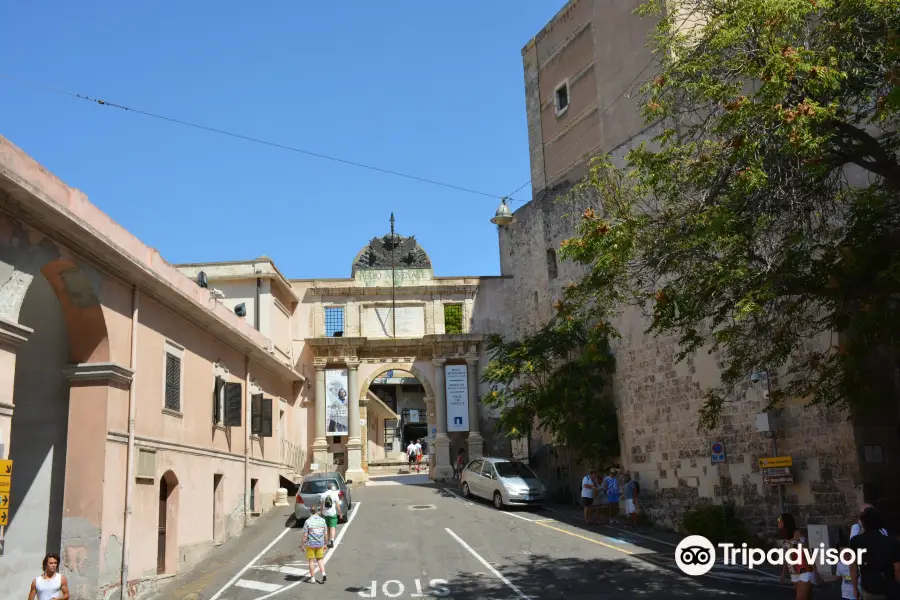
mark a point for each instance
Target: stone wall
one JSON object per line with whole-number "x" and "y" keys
{"x": 658, "y": 401}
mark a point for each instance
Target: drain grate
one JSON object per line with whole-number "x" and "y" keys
{"x": 423, "y": 507}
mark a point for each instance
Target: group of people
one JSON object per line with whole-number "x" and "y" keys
{"x": 876, "y": 577}
{"x": 414, "y": 454}
{"x": 600, "y": 498}
{"x": 319, "y": 531}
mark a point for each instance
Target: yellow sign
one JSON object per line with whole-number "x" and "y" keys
{"x": 4, "y": 484}
{"x": 776, "y": 461}
{"x": 4, "y": 500}
{"x": 2, "y": 517}
{"x": 6, "y": 468}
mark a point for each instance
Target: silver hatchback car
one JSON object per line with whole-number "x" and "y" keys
{"x": 505, "y": 482}
{"x": 314, "y": 486}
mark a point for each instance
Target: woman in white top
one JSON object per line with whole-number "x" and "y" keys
{"x": 51, "y": 585}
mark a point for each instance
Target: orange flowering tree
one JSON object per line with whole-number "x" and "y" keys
{"x": 764, "y": 221}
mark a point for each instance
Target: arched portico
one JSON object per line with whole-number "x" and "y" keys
{"x": 409, "y": 367}
{"x": 51, "y": 301}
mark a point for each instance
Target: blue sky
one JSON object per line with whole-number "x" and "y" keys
{"x": 431, "y": 89}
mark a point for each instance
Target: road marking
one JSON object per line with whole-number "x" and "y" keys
{"x": 497, "y": 573}
{"x": 544, "y": 521}
{"x": 512, "y": 514}
{"x": 378, "y": 483}
{"x": 285, "y": 570}
{"x": 257, "y": 585}
{"x": 593, "y": 541}
{"x": 255, "y": 558}
{"x": 337, "y": 542}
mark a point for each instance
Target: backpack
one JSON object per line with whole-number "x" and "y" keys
{"x": 315, "y": 533}
{"x": 637, "y": 486}
{"x": 328, "y": 501}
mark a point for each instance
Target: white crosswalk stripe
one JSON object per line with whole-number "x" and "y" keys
{"x": 257, "y": 585}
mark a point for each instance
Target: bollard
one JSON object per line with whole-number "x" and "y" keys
{"x": 281, "y": 497}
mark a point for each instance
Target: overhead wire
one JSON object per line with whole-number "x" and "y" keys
{"x": 247, "y": 137}
{"x": 608, "y": 108}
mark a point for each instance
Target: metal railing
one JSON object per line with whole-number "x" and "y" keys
{"x": 293, "y": 456}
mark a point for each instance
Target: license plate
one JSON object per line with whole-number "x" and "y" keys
{"x": 527, "y": 497}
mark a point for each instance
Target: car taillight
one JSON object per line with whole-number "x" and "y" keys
{"x": 341, "y": 495}
{"x": 299, "y": 499}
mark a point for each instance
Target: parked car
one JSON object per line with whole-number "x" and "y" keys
{"x": 314, "y": 486}
{"x": 505, "y": 482}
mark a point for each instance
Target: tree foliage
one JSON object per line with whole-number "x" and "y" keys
{"x": 555, "y": 379}
{"x": 764, "y": 219}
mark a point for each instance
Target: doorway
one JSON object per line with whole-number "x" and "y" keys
{"x": 218, "y": 506}
{"x": 167, "y": 530}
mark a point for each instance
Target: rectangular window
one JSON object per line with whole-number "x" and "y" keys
{"x": 453, "y": 318}
{"x": 561, "y": 97}
{"x": 334, "y": 321}
{"x": 552, "y": 266}
{"x": 218, "y": 400}
{"x": 172, "y": 381}
{"x": 234, "y": 401}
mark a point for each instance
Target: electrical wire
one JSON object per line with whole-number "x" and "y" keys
{"x": 247, "y": 137}
{"x": 619, "y": 97}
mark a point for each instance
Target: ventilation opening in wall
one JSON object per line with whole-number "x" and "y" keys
{"x": 146, "y": 464}
{"x": 536, "y": 304}
{"x": 552, "y": 267}
{"x": 561, "y": 97}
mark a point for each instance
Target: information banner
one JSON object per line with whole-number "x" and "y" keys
{"x": 457, "y": 380}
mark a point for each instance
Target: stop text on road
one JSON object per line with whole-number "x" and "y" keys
{"x": 395, "y": 589}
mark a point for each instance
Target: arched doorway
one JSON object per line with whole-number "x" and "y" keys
{"x": 399, "y": 403}
{"x": 167, "y": 528}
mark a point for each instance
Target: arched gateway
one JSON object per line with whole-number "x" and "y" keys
{"x": 392, "y": 314}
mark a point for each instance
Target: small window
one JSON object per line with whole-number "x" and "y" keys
{"x": 552, "y": 267}
{"x": 172, "y": 398}
{"x": 561, "y": 97}
{"x": 334, "y": 321}
{"x": 453, "y": 318}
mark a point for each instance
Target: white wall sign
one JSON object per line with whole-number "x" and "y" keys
{"x": 457, "y": 380}
{"x": 379, "y": 321}
{"x": 413, "y": 416}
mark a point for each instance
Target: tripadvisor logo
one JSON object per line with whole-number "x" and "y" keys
{"x": 695, "y": 555}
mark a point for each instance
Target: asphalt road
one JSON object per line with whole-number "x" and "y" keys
{"x": 409, "y": 539}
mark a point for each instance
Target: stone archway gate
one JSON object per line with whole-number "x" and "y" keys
{"x": 425, "y": 358}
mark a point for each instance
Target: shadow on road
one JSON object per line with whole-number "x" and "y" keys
{"x": 541, "y": 577}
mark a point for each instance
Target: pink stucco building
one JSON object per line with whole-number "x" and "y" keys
{"x": 152, "y": 411}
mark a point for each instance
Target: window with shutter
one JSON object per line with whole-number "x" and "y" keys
{"x": 173, "y": 382}
{"x": 256, "y": 413}
{"x": 234, "y": 393}
{"x": 266, "y": 419}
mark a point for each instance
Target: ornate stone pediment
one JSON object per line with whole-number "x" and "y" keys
{"x": 401, "y": 252}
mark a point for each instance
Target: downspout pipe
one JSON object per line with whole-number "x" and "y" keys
{"x": 129, "y": 470}
{"x": 247, "y": 438}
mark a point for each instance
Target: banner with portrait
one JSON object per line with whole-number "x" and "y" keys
{"x": 336, "y": 398}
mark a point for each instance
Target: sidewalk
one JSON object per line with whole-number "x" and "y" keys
{"x": 665, "y": 543}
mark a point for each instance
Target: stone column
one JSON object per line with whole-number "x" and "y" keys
{"x": 443, "y": 470}
{"x": 320, "y": 444}
{"x": 430, "y": 417}
{"x": 476, "y": 441}
{"x": 354, "y": 440}
{"x": 364, "y": 432}
{"x": 93, "y": 388}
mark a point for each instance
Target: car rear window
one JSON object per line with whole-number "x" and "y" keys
{"x": 318, "y": 486}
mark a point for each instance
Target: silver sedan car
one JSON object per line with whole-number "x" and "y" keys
{"x": 504, "y": 482}
{"x": 314, "y": 486}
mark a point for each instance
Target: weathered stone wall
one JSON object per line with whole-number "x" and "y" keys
{"x": 658, "y": 401}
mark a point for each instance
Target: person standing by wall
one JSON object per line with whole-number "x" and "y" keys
{"x": 611, "y": 484}
{"x": 588, "y": 487}
{"x": 632, "y": 491}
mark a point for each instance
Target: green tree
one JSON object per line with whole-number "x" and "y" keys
{"x": 765, "y": 218}
{"x": 555, "y": 379}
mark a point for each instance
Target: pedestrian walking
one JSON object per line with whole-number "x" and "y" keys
{"x": 51, "y": 584}
{"x": 877, "y": 576}
{"x": 459, "y": 464}
{"x": 411, "y": 454}
{"x": 842, "y": 574}
{"x": 803, "y": 575}
{"x": 331, "y": 511}
{"x": 588, "y": 487}
{"x": 611, "y": 483}
{"x": 632, "y": 491}
{"x": 858, "y": 526}
{"x": 418, "y": 455}
{"x": 314, "y": 532}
